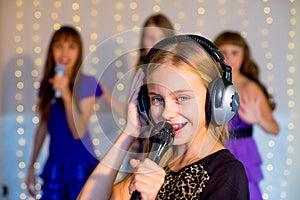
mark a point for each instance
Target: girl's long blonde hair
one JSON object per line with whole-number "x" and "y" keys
{"x": 199, "y": 62}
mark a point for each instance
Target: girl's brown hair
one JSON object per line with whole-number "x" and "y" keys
{"x": 46, "y": 93}
{"x": 249, "y": 68}
{"x": 160, "y": 21}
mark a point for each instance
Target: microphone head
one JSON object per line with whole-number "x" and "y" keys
{"x": 163, "y": 133}
{"x": 59, "y": 68}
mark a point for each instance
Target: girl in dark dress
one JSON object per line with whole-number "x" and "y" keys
{"x": 183, "y": 87}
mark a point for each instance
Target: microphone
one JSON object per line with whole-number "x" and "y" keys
{"x": 60, "y": 71}
{"x": 161, "y": 138}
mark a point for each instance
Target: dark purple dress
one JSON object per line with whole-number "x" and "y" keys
{"x": 70, "y": 161}
{"x": 243, "y": 146}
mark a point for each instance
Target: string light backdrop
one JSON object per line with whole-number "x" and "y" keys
{"x": 110, "y": 32}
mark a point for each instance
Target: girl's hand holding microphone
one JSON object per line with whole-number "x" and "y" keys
{"x": 60, "y": 85}
{"x": 147, "y": 179}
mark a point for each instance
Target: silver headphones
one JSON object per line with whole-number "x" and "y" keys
{"x": 222, "y": 101}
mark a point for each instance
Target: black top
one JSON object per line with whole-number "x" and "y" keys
{"x": 217, "y": 176}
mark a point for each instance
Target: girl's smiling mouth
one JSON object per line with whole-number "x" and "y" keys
{"x": 178, "y": 127}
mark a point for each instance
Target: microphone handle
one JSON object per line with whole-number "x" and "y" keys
{"x": 58, "y": 92}
{"x": 159, "y": 143}
{"x": 136, "y": 195}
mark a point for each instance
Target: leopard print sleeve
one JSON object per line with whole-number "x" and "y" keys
{"x": 187, "y": 183}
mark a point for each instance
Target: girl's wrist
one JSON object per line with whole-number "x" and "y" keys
{"x": 124, "y": 141}
{"x": 68, "y": 96}
{"x": 131, "y": 131}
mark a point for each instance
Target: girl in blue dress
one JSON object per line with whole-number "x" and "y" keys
{"x": 71, "y": 158}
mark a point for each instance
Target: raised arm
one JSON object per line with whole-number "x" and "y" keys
{"x": 256, "y": 110}
{"x": 77, "y": 120}
{"x": 101, "y": 182}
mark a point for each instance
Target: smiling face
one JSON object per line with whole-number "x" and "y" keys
{"x": 178, "y": 96}
{"x": 66, "y": 52}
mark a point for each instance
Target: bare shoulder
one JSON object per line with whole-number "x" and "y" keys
{"x": 247, "y": 86}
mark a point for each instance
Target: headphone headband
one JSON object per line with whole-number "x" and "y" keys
{"x": 208, "y": 46}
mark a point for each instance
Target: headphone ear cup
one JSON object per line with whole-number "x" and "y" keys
{"x": 143, "y": 98}
{"x": 144, "y": 103}
{"x": 208, "y": 107}
{"x": 224, "y": 101}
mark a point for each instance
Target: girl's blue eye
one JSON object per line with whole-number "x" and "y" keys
{"x": 182, "y": 98}
{"x": 156, "y": 99}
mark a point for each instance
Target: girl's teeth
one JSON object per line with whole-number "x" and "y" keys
{"x": 176, "y": 127}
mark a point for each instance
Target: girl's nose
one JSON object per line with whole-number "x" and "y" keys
{"x": 170, "y": 110}
{"x": 65, "y": 50}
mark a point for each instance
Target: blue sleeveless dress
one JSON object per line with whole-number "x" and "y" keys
{"x": 70, "y": 161}
{"x": 243, "y": 146}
